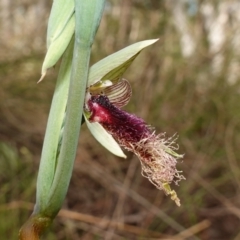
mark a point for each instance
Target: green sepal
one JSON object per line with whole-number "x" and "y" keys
{"x": 113, "y": 66}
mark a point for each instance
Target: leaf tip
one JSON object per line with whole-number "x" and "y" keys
{"x": 42, "y": 77}
{"x": 152, "y": 41}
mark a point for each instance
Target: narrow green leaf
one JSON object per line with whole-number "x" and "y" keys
{"x": 113, "y": 66}
{"x": 58, "y": 46}
{"x": 60, "y": 15}
{"x": 60, "y": 31}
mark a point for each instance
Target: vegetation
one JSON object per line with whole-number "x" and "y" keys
{"x": 108, "y": 198}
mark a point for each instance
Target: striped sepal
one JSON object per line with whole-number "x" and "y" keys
{"x": 119, "y": 94}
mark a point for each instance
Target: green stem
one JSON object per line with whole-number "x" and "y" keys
{"x": 54, "y": 125}
{"x": 88, "y": 15}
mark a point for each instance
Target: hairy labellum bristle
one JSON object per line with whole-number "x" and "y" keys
{"x": 123, "y": 126}
{"x": 135, "y": 135}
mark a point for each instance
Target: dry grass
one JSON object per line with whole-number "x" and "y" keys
{"x": 108, "y": 198}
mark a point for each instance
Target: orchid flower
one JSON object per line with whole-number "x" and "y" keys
{"x": 103, "y": 104}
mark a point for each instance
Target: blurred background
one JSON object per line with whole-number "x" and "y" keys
{"x": 187, "y": 83}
